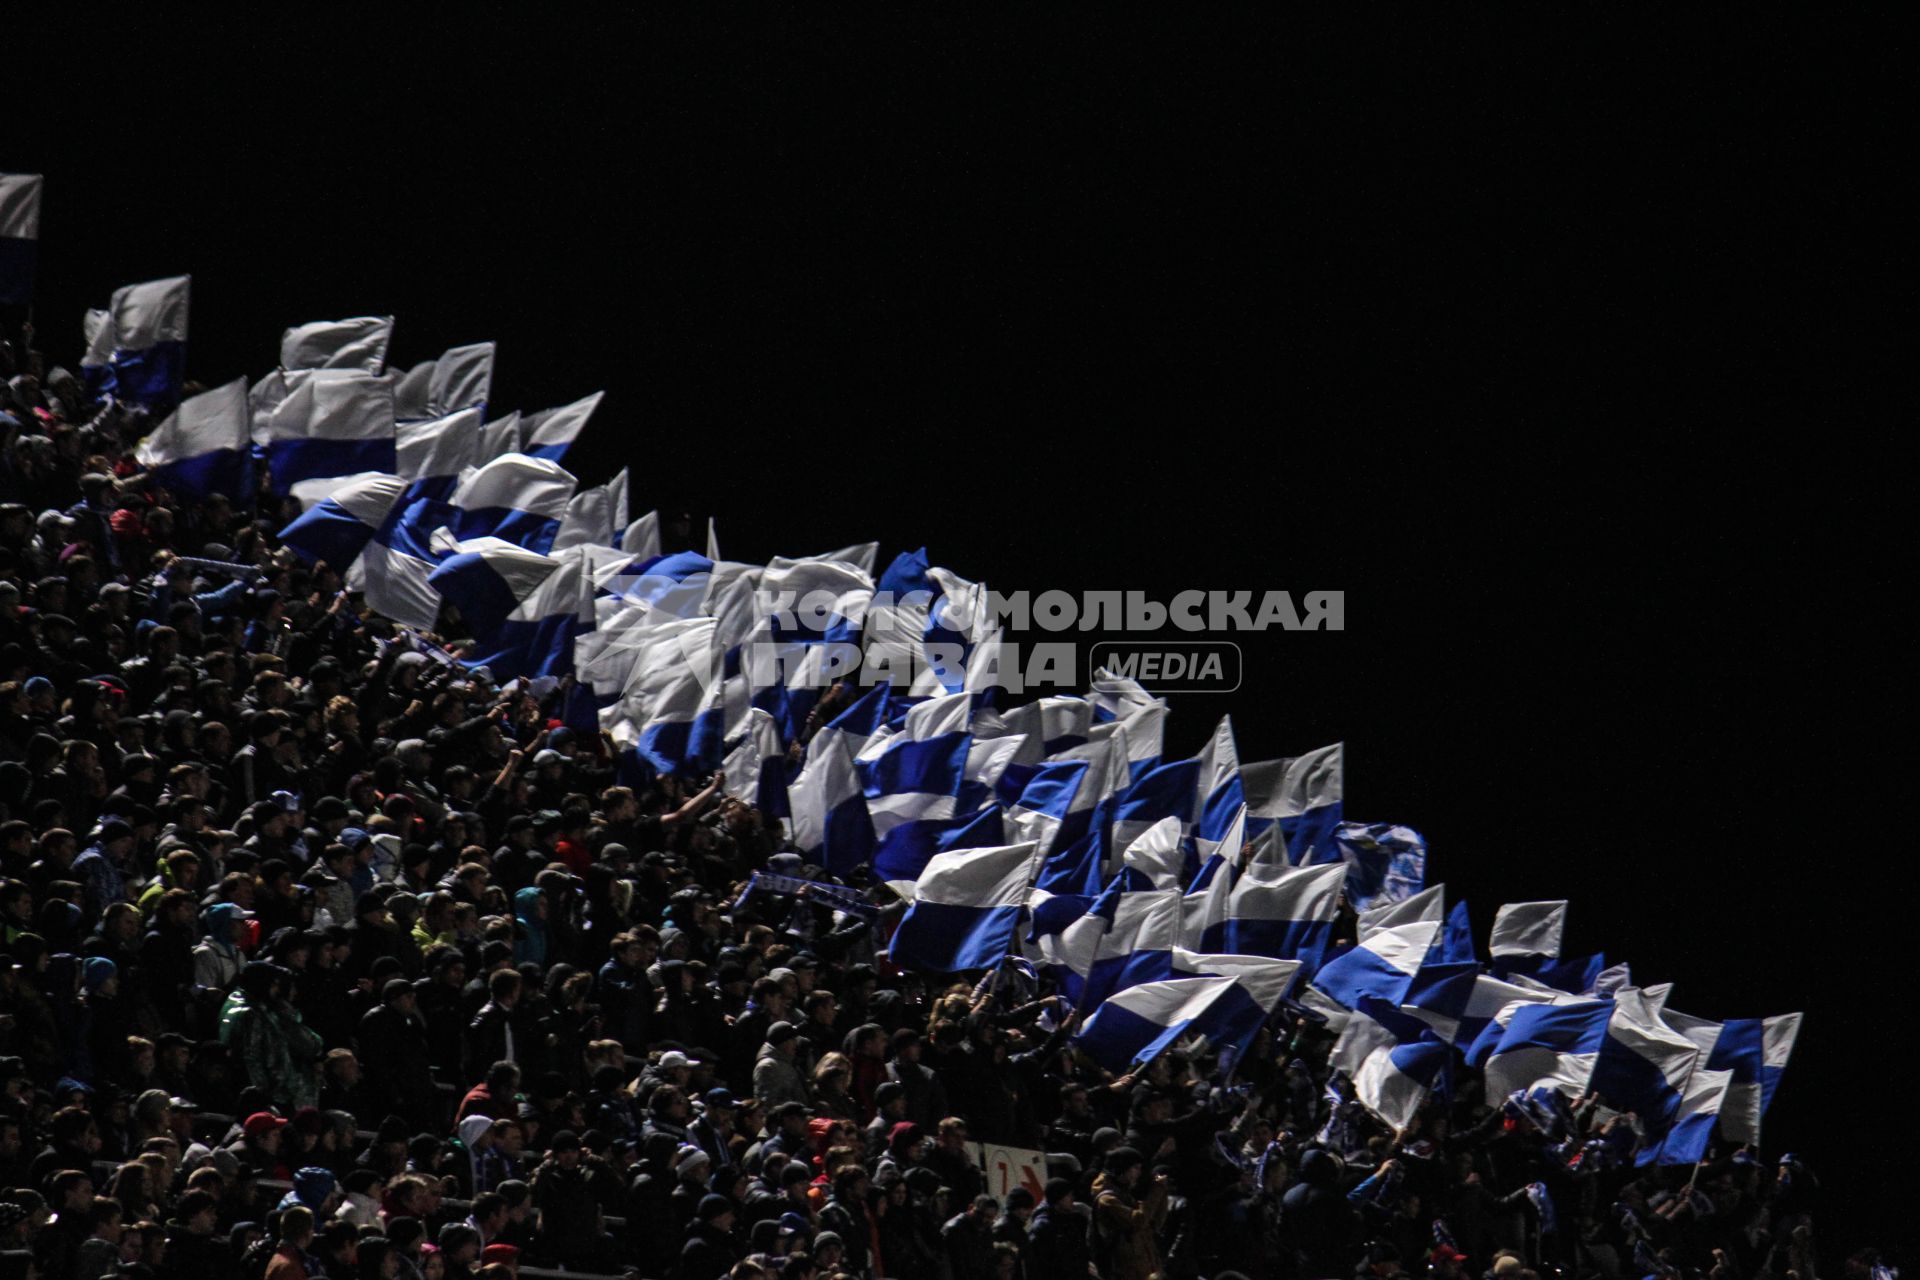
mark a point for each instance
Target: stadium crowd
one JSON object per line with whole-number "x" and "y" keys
{"x": 325, "y": 956}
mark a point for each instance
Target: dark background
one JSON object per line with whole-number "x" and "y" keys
{"x": 1565, "y": 351}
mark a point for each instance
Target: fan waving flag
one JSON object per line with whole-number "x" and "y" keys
{"x": 203, "y": 447}
{"x": 966, "y": 910}
{"x": 19, "y": 234}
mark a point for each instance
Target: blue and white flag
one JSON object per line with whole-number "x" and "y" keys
{"x": 830, "y": 820}
{"x": 1140, "y": 1023}
{"x": 1526, "y": 940}
{"x": 665, "y": 693}
{"x": 432, "y": 454}
{"x": 1052, "y": 803}
{"x": 548, "y": 433}
{"x": 901, "y": 858}
{"x": 915, "y": 775}
{"x": 1052, "y": 724}
{"x": 1220, "y": 798}
{"x": 515, "y": 498}
{"x": 203, "y": 447}
{"x": 96, "y": 362}
{"x": 332, "y": 423}
{"x": 1386, "y": 862}
{"x": 1459, "y": 1001}
{"x": 338, "y": 528}
{"x": 19, "y": 235}
{"x": 1754, "y": 1053}
{"x": 461, "y": 378}
{"x": 1163, "y": 859}
{"x": 360, "y": 343}
{"x": 1619, "y": 1049}
{"x": 1703, "y": 1104}
{"x": 394, "y": 568}
{"x": 1126, "y": 938}
{"x": 148, "y": 327}
{"x": 1524, "y": 994}
{"x": 1124, "y": 701}
{"x": 1383, "y": 964}
{"x": 1286, "y": 913}
{"x": 1393, "y": 1060}
{"x": 756, "y": 767}
{"x": 966, "y": 910}
{"x": 522, "y": 607}
{"x": 1166, "y": 790}
{"x": 1301, "y": 796}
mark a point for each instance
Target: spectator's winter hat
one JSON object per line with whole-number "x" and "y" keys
{"x": 565, "y": 1140}
{"x": 313, "y": 1185}
{"x": 781, "y": 1032}
{"x": 713, "y": 1207}
{"x": 97, "y": 972}
{"x": 262, "y": 1122}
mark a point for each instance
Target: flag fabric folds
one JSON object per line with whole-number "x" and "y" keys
{"x": 338, "y": 527}
{"x": 332, "y": 423}
{"x": 1283, "y": 912}
{"x": 966, "y": 910}
{"x": 548, "y": 433}
{"x": 1393, "y": 1060}
{"x": 461, "y": 378}
{"x": 144, "y": 333}
{"x": 203, "y": 448}
{"x": 1619, "y": 1049}
{"x": 1227, "y": 1009}
{"x": 1528, "y": 929}
{"x": 1301, "y": 797}
{"x": 360, "y": 343}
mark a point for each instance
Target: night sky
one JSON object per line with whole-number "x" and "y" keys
{"x": 1565, "y": 353}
